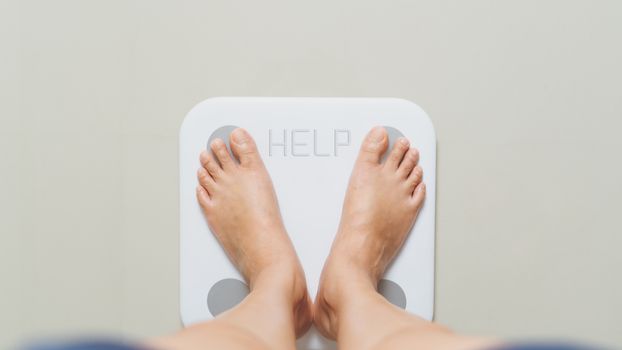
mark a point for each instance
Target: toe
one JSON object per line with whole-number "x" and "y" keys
{"x": 211, "y": 165}
{"x": 206, "y": 180}
{"x": 203, "y": 197}
{"x": 411, "y": 158}
{"x": 244, "y": 147}
{"x": 397, "y": 153}
{"x": 222, "y": 154}
{"x": 419, "y": 196}
{"x": 414, "y": 179}
{"x": 374, "y": 145}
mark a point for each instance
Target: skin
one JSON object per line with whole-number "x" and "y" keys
{"x": 381, "y": 205}
{"x": 242, "y": 210}
{"x": 380, "y": 208}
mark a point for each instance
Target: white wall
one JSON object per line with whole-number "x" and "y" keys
{"x": 525, "y": 96}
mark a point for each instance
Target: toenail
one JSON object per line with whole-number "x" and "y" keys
{"x": 217, "y": 143}
{"x": 377, "y": 134}
{"x": 239, "y": 136}
{"x": 202, "y": 174}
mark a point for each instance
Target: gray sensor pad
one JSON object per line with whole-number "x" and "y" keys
{"x": 222, "y": 133}
{"x": 225, "y": 294}
{"x": 393, "y": 293}
{"x": 394, "y": 134}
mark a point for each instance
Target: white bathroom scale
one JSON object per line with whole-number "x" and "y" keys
{"x": 309, "y": 146}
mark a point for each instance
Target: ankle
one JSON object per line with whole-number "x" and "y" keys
{"x": 281, "y": 284}
{"x": 339, "y": 295}
{"x": 343, "y": 283}
{"x": 360, "y": 253}
{"x": 335, "y": 300}
{"x": 284, "y": 279}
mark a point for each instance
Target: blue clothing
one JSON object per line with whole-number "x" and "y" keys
{"x": 86, "y": 345}
{"x": 544, "y": 346}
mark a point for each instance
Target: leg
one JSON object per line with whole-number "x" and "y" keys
{"x": 381, "y": 205}
{"x": 242, "y": 211}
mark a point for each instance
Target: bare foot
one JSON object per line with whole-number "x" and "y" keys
{"x": 241, "y": 208}
{"x": 380, "y": 208}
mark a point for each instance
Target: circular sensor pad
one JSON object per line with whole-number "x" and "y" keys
{"x": 222, "y": 133}
{"x": 394, "y": 134}
{"x": 225, "y": 294}
{"x": 392, "y": 292}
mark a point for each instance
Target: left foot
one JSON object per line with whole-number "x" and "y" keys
{"x": 241, "y": 209}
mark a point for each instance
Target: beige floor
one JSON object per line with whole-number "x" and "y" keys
{"x": 526, "y": 97}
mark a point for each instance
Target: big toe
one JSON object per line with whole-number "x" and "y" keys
{"x": 374, "y": 145}
{"x": 244, "y": 147}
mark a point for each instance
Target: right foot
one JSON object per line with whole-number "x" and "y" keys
{"x": 380, "y": 208}
{"x": 241, "y": 208}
